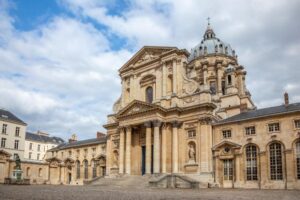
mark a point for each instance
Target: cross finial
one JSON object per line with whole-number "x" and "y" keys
{"x": 208, "y": 21}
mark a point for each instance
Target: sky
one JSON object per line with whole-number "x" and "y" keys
{"x": 59, "y": 59}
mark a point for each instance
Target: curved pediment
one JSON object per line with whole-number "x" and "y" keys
{"x": 69, "y": 160}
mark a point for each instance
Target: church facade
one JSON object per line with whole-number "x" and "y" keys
{"x": 190, "y": 113}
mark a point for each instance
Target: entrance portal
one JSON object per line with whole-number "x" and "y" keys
{"x": 144, "y": 160}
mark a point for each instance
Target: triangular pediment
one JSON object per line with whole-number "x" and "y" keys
{"x": 226, "y": 144}
{"x": 146, "y": 54}
{"x": 136, "y": 107}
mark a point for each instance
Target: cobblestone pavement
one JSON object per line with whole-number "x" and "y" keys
{"x": 46, "y": 192}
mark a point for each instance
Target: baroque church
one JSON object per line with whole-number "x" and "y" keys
{"x": 191, "y": 114}
{"x": 184, "y": 119}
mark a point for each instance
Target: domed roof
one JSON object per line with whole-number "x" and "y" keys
{"x": 211, "y": 45}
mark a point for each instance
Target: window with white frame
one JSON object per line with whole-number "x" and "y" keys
{"x": 274, "y": 127}
{"x": 39, "y": 147}
{"x": 30, "y": 155}
{"x": 4, "y": 128}
{"x": 16, "y": 144}
{"x": 30, "y": 146}
{"x": 276, "y": 172}
{"x": 228, "y": 169}
{"x": 17, "y": 133}
{"x": 251, "y": 162}
{"x": 3, "y": 142}
{"x": 191, "y": 134}
{"x": 226, "y": 134}
{"x": 297, "y": 123}
{"x": 298, "y": 158}
{"x": 38, "y": 156}
{"x": 250, "y": 130}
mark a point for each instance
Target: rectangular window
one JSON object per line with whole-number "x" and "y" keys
{"x": 226, "y": 133}
{"x": 15, "y": 155}
{"x": 250, "y": 130}
{"x": 228, "y": 169}
{"x": 3, "y": 141}
{"x": 17, "y": 131}
{"x": 30, "y": 154}
{"x": 191, "y": 133}
{"x": 39, "y": 147}
{"x": 38, "y": 156}
{"x": 274, "y": 127}
{"x": 30, "y": 146}
{"x": 16, "y": 144}
{"x": 297, "y": 123}
{"x": 251, "y": 162}
{"x": 4, "y": 128}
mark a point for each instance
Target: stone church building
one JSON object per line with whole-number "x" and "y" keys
{"x": 190, "y": 113}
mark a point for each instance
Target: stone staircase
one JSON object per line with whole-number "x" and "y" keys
{"x": 176, "y": 181}
{"x": 122, "y": 181}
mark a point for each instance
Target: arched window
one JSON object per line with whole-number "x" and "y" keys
{"x": 94, "y": 164}
{"x": 149, "y": 94}
{"x": 28, "y": 171}
{"x": 251, "y": 162}
{"x": 229, "y": 80}
{"x": 77, "y": 169}
{"x": 276, "y": 161}
{"x": 40, "y": 172}
{"x": 298, "y": 158}
{"x": 85, "y": 164}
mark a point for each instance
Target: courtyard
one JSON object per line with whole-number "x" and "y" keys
{"x": 8, "y": 192}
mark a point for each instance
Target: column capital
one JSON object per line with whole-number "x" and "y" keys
{"x": 147, "y": 124}
{"x": 156, "y": 123}
{"x": 128, "y": 128}
{"x": 176, "y": 124}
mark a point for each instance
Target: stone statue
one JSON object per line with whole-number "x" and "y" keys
{"x": 192, "y": 153}
{"x": 116, "y": 159}
{"x": 18, "y": 162}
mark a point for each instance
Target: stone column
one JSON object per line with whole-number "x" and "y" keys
{"x": 156, "y": 147}
{"x": 121, "y": 151}
{"x": 164, "y": 79}
{"x": 205, "y": 74}
{"x": 175, "y": 125}
{"x": 148, "y": 147}
{"x": 164, "y": 149}
{"x": 174, "y": 76}
{"x": 128, "y": 150}
{"x": 219, "y": 79}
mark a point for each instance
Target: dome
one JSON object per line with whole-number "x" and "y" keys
{"x": 211, "y": 45}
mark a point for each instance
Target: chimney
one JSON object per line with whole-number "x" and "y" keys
{"x": 42, "y": 133}
{"x": 73, "y": 138}
{"x": 100, "y": 135}
{"x": 244, "y": 107}
{"x": 286, "y": 99}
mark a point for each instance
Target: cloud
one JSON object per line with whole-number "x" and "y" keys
{"x": 55, "y": 77}
{"x": 68, "y": 65}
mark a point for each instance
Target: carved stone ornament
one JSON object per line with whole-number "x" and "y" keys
{"x": 189, "y": 86}
{"x": 147, "y": 57}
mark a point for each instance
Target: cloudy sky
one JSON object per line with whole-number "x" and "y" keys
{"x": 59, "y": 60}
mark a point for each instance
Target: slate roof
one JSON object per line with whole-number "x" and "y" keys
{"x": 8, "y": 116}
{"x": 79, "y": 143}
{"x": 43, "y": 138}
{"x": 264, "y": 112}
